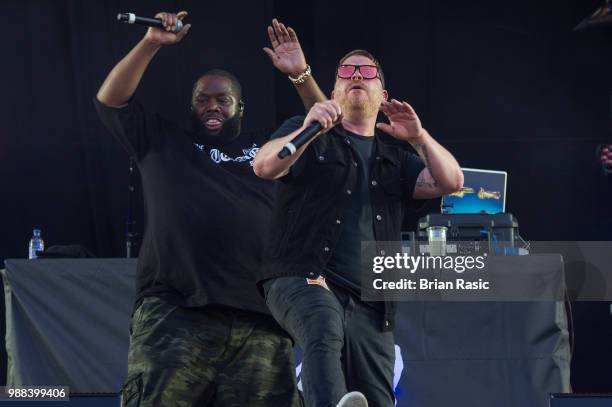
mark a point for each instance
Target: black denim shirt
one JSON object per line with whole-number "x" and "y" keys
{"x": 311, "y": 199}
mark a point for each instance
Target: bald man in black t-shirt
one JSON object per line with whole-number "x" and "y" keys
{"x": 200, "y": 333}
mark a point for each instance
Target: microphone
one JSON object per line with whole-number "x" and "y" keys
{"x": 298, "y": 141}
{"x": 131, "y": 18}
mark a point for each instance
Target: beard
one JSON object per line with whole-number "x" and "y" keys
{"x": 363, "y": 106}
{"x": 230, "y": 130}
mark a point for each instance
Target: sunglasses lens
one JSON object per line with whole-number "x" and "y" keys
{"x": 369, "y": 72}
{"x": 346, "y": 71}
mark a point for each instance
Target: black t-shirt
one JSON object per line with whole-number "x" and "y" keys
{"x": 207, "y": 214}
{"x": 344, "y": 266}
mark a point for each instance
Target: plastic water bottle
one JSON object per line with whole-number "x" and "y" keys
{"x": 36, "y": 245}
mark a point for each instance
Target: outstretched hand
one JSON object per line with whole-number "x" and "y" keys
{"x": 166, "y": 36}
{"x": 404, "y": 124}
{"x": 286, "y": 53}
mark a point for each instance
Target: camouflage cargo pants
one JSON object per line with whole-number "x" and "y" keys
{"x": 207, "y": 357}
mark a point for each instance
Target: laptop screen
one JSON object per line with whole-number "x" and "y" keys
{"x": 484, "y": 191}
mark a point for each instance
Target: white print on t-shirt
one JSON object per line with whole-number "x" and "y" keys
{"x": 219, "y": 156}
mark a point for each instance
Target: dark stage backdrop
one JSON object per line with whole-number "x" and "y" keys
{"x": 505, "y": 86}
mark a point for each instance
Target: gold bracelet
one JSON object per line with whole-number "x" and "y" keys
{"x": 301, "y": 78}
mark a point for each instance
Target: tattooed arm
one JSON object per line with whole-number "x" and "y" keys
{"x": 442, "y": 174}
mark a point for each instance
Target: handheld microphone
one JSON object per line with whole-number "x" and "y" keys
{"x": 298, "y": 141}
{"x": 131, "y": 18}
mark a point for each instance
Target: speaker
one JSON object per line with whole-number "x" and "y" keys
{"x": 580, "y": 400}
{"x": 76, "y": 400}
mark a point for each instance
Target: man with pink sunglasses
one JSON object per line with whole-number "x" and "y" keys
{"x": 345, "y": 187}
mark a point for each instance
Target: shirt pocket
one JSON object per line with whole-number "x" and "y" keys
{"x": 329, "y": 160}
{"x": 393, "y": 187}
{"x": 329, "y": 170}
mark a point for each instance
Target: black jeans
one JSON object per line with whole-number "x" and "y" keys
{"x": 343, "y": 347}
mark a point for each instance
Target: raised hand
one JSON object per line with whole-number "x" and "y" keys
{"x": 286, "y": 53}
{"x": 404, "y": 124}
{"x": 166, "y": 36}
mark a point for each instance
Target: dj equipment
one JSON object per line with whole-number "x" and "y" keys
{"x": 472, "y": 233}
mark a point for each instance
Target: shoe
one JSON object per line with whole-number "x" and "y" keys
{"x": 353, "y": 399}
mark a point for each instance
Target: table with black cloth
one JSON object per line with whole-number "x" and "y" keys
{"x": 67, "y": 324}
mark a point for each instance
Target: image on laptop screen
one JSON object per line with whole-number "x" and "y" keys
{"x": 484, "y": 191}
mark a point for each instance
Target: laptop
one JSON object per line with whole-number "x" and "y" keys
{"x": 484, "y": 191}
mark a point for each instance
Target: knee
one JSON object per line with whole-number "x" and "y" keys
{"x": 324, "y": 334}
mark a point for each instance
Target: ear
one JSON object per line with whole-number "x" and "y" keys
{"x": 332, "y": 95}
{"x": 385, "y": 95}
{"x": 241, "y": 107}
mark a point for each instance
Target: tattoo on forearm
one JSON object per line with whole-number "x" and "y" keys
{"x": 423, "y": 180}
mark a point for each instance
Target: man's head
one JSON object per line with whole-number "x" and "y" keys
{"x": 360, "y": 84}
{"x": 216, "y": 107}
